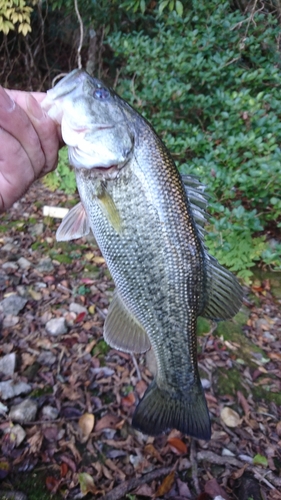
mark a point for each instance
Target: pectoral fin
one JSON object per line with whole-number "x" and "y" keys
{"x": 109, "y": 209}
{"x": 122, "y": 330}
{"x": 74, "y": 225}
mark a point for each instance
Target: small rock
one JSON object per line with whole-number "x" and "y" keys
{"x": 36, "y": 229}
{"x": 8, "y": 247}
{"x": 8, "y": 364}
{"x": 22, "y": 291}
{"x": 46, "y": 358}
{"x": 3, "y": 410}
{"x": 77, "y": 308}
{"x": 24, "y": 411}
{"x": 262, "y": 324}
{"x": 56, "y": 326}
{"x": 206, "y": 384}
{"x": 3, "y": 280}
{"x": 70, "y": 317}
{"x": 227, "y": 453}
{"x": 10, "y": 389}
{"x": 49, "y": 413}
{"x": 268, "y": 336}
{"x": 12, "y": 305}
{"x": 10, "y": 321}
{"x": 17, "y": 434}
{"x": 10, "y": 267}
{"x": 24, "y": 263}
{"x": 45, "y": 265}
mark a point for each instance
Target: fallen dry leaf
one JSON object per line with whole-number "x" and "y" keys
{"x": 86, "y": 483}
{"x": 151, "y": 450}
{"x": 86, "y": 424}
{"x": 213, "y": 489}
{"x": 52, "y": 484}
{"x": 107, "y": 422}
{"x": 128, "y": 400}
{"x": 230, "y": 417}
{"x": 166, "y": 485}
{"x": 177, "y": 446}
{"x": 238, "y": 473}
{"x": 98, "y": 260}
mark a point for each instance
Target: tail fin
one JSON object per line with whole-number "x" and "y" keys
{"x": 158, "y": 411}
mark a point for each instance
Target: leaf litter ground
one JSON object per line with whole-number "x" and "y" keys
{"x": 72, "y": 436}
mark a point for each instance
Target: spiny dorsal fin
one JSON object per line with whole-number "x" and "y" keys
{"x": 122, "y": 330}
{"x": 74, "y": 225}
{"x": 224, "y": 293}
{"x": 198, "y": 202}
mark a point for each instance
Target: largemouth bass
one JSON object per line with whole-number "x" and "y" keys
{"x": 148, "y": 222}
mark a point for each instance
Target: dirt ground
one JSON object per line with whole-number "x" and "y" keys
{"x": 71, "y": 435}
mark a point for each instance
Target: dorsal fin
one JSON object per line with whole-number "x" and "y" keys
{"x": 223, "y": 292}
{"x": 198, "y": 200}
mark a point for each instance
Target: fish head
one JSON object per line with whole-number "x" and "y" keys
{"x": 94, "y": 123}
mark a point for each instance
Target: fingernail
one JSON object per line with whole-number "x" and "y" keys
{"x": 6, "y": 103}
{"x": 33, "y": 107}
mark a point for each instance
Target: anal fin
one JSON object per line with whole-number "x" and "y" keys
{"x": 122, "y": 330}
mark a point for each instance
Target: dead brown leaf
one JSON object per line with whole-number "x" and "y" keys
{"x": 166, "y": 485}
{"x": 149, "y": 449}
{"x": 106, "y": 422}
{"x": 177, "y": 446}
{"x": 86, "y": 424}
{"x": 213, "y": 489}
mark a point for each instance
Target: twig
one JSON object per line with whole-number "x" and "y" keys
{"x": 61, "y": 75}
{"x": 194, "y": 470}
{"x": 273, "y": 481}
{"x": 136, "y": 366}
{"x": 124, "y": 488}
{"x": 79, "y": 62}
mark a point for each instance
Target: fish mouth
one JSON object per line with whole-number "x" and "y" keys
{"x": 103, "y": 172}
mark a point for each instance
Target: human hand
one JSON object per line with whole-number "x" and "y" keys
{"x": 29, "y": 143}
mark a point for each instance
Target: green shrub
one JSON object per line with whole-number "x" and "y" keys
{"x": 63, "y": 177}
{"x": 210, "y": 84}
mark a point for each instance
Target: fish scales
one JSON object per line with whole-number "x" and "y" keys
{"x": 152, "y": 259}
{"x": 140, "y": 211}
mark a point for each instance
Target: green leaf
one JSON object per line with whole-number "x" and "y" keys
{"x": 163, "y": 5}
{"x": 179, "y": 8}
{"x": 260, "y": 460}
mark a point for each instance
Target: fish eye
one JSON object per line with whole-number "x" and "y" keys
{"x": 101, "y": 93}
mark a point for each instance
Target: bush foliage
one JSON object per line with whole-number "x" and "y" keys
{"x": 205, "y": 74}
{"x": 210, "y": 84}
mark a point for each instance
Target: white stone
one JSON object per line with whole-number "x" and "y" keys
{"x": 12, "y": 304}
{"x": 8, "y": 364}
{"x": 24, "y": 411}
{"x": 10, "y": 266}
{"x": 17, "y": 432}
{"x": 49, "y": 413}
{"x": 3, "y": 409}
{"x": 45, "y": 265}
{"x": 24, "y": 263}
{"x": 77, "y": 308}
{"x": 56, "y": 326}
{"x": 10, "y": 389}
{"x": 10, "y": 321}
